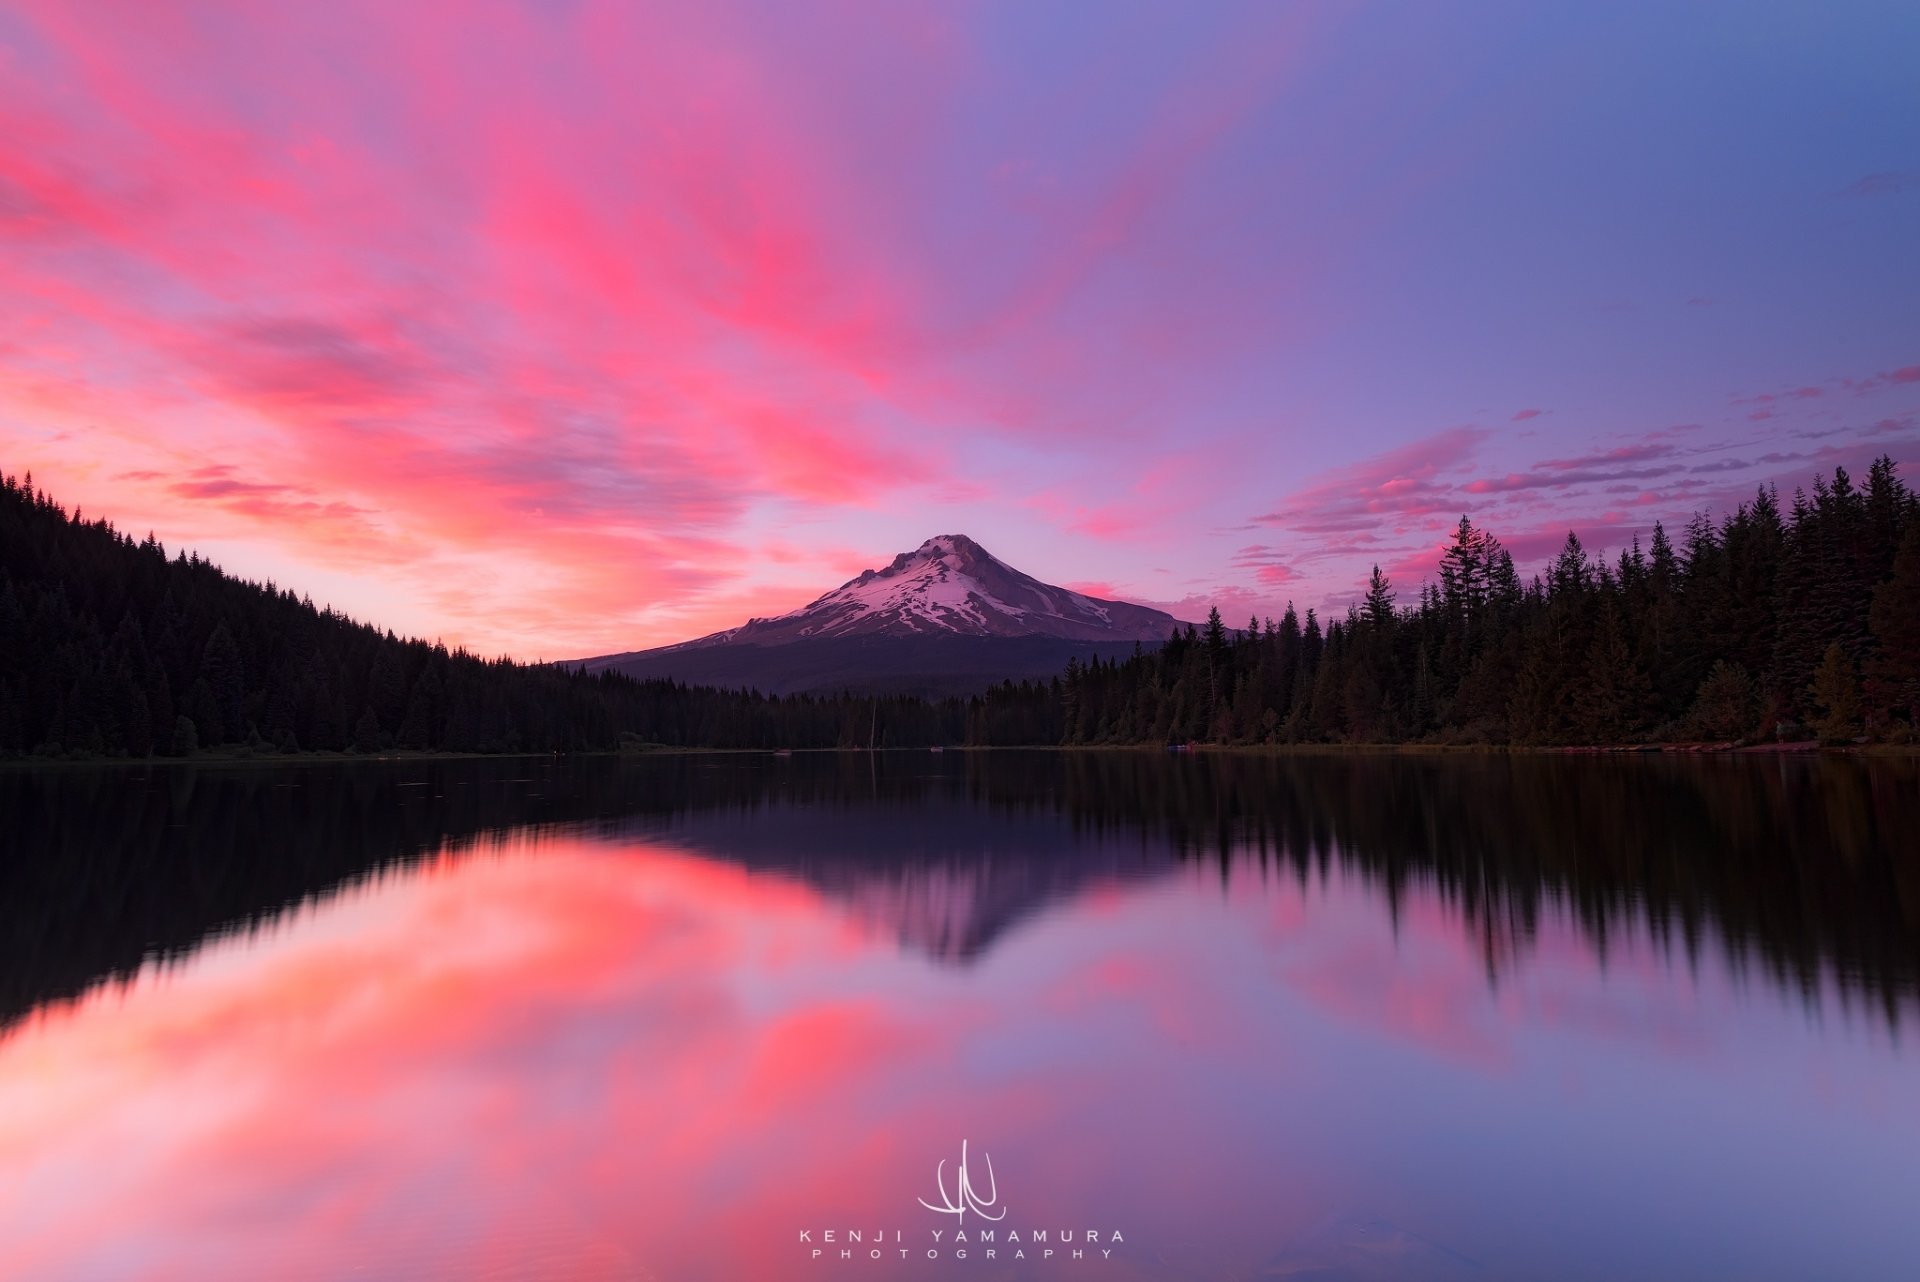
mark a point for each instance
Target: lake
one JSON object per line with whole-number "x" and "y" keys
{"x": 1207, "y": 1016}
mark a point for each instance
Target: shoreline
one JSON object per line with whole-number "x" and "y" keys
{"x": 1808, "y": 748}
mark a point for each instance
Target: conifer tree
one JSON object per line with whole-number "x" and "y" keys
{"x": 1836, "y": 696}
{"x": 1725, "y": 705}
{"x": 1895, "y": 619}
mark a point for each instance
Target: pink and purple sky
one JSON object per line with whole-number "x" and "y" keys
{"x": 556, "y": 327}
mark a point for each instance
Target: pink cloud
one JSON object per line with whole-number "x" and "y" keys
{"x": 1093, "y": 587}
{"x": 1398, "y": 510}
{"x": 1384, "y": 492}
{"x": 1269, "y": 569}
{"x": 524, "y": 324}
{"x": 585, "y": 375}
{"x": 1550, "y": 478}
{"x": 1235, "y": 603}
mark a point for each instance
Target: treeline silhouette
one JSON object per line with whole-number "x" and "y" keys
{"x": 1797, "y": 871}
{"x": 108, "y": 647}
{"x": 1765, "y": 625}
{"x": 1762, "y": 626}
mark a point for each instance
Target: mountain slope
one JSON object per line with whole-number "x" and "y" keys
{"x": 109, "y": 647}
{"x": 948, "y": 617}
{"x": 926, "y": 667}
{"x": 950, "y": 584}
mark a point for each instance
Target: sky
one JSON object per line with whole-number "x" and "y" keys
{"x": 559, "y": 327}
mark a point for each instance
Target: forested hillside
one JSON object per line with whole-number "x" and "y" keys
{"x": 1761, "y": 625}
{"x": 108, "y": 647}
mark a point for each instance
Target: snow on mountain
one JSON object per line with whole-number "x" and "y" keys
{"x": 947, "y": 618}
{"x": 950, "y": 585}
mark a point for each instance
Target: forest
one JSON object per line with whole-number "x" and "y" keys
{"x": 1764, "y": 625}
{"x": 108, "y": 647}
{"x": 1802, "y": 877}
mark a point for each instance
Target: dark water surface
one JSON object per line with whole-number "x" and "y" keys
{"x": 1344, "y": 1017}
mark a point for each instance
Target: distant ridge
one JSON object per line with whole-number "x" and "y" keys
{"x": 948, "y": 617}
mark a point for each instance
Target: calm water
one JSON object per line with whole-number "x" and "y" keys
{"x": 680, "y": 1018}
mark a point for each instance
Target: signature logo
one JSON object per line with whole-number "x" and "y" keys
{"x": 964, "y": 1196}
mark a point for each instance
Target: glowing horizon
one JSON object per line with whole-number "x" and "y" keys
{"x": 559, "y": 328}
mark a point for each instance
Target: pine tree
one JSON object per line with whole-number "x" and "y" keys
{"x": 1532, "y": 709}
{"x": 224, "y": 673}
{"x": 1464, "y": 573}
{"x": 1286, "y": 666}
{"x": 419, "y": 728}
{"x": 1885, "y": 515}
{"x": 1836, "y": 696}
{"x": 366, "y": 732}
{"x": 1895, "y": 618}
{"x": 1612, "y": 701}
{"x": 1216, "y": 654}
{"x": 1379, "y": 603}
{"x": 1726, "y": 705}
{"x": 204, "y": 708}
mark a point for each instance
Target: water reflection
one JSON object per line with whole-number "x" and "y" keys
{"x": 1805, "y": 869}
{"x": 1333, "y": 1018}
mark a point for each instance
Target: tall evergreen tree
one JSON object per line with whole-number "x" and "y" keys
{"x": 1836, "y": 696}
{"x": 1895, "y": 620}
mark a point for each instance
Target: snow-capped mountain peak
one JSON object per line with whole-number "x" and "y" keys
{"x": 947, "y": 618}
{"x": 952, "y": 585}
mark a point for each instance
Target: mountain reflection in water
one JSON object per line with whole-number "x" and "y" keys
{"x": 1804, "y": 870}
{"x": 1343, "y": 1017}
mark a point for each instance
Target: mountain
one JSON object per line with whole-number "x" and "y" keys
{"x": 952, "y": 585}
{"x": 111, "y": 648}
{"x": 948, "y": 617}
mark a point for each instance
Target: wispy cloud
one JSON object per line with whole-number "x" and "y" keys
{"x": 1890, "y": 182}
{"x": 1269, "y": 568}
{"x": 572, "y": 327}
{"x": 1385, "y": 492}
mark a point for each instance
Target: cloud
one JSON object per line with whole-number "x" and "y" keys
{"x": 1805, "y": 393}
{"x": 1857, "y": 384}
{"x": 412, "y": 291}
{"x": 1637, "y": 452}
{"x": 1383, "y": 492}
{"x": 1549, "y": 478}
{"x": 293, "y": 365}
{"x": 1885, "y": 183}
{"x": 1614, "y": 464}
{"x": 1094, "y": 588}
{"x": 374, "y": 261}
{"x": 1235, "y": 602}
{"x": 1398, "y": 509}
{"x": 353, "y": 532}
{"x": 1269, "y": 568}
